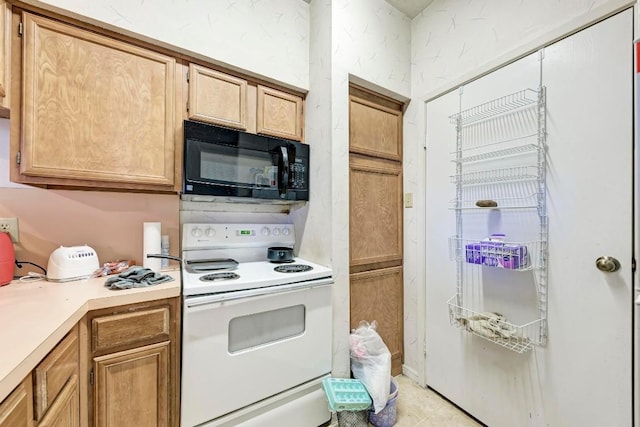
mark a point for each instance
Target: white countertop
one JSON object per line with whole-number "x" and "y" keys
{"x": 35, "y": 316}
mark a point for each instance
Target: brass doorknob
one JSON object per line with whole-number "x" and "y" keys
{"x": 608, "y": 264}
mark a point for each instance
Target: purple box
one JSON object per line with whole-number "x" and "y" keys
{"x": 472, "y": 253}
{"x": 497, "y": 254}
{"x": 514, "y": 257}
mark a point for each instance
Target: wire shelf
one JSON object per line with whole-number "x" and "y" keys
{"x": 496, "y": 154}
{"x": 495, "y": 328}
{"x": 529, "y": 201}
{"x": 521, "y": 99}
{"x": 516, "y": 256}
{"x": 518, "y": 173}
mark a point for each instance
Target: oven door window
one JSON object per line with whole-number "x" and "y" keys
{"x": 266, "y": 327}
{"x": 233, "y": 166}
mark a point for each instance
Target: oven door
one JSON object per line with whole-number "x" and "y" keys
{"x": 242, "y": 347}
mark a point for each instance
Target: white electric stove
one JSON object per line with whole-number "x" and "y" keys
{"x": 256, "y": 334}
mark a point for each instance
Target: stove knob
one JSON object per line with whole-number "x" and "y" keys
{"x": 265, "y": 231}
{"x": 196, "y": 232}
{"x": 285, "y": 231}
{"x": 276, "y": 231}
{"x": 210, "y": 232}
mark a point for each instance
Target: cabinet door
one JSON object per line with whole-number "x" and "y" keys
{"x": 16, "y": 409}
{"x": 131, "y": 387}
{"x": 279, "y": 114}
{"x": 51, "y": 375}
{"x": 375, "y": 127}
{"x": 64, "y": 412}
{"x": 5, "y": 58}
{"x": 378, "y": 295}
{"x": 375, "y": 221}
{"x": 94, "y": 108}
{"x": 217, "y": 98}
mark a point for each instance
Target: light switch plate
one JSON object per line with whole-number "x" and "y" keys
{"x": 408, "y": 200}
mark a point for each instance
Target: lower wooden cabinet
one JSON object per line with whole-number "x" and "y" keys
{"x": 117, "y": 367}
{"x": 65, "y": 410}
{"x": 132, "y": 387}
{"x": 133, "y": 362}
{"x": 16, "y": 410}
{"x": 54, "y": 373}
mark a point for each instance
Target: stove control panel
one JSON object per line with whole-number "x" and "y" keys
{"x": 200, "y": 236}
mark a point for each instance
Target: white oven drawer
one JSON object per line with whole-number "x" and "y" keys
{"x": 246, "y": 346}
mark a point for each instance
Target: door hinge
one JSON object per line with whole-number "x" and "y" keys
{"x": 18, "y": 157}
{"x": 20, "y": 29}
{"x": 91, "y": 377}
{"x": 633, "y": 265}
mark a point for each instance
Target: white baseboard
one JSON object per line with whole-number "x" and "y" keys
{"x": 410, "y": 373}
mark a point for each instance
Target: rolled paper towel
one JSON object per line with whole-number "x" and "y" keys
{"x": 151, "y": 245}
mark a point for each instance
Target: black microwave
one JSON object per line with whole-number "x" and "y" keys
{"x": 227, "y": 162}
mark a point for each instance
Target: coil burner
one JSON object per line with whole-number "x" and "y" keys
{"x": 293, "y": 268}
{"x": 213, "y": 277}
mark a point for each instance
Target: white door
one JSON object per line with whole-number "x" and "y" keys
{"x": 582, "y": 377}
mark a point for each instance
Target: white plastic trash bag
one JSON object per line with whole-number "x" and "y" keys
{"x": 371, "y": 362}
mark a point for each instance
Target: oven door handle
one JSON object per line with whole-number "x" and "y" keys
{"x": 231, "y": 296}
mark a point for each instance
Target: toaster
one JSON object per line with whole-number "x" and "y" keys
{"x": 72, "y": 263}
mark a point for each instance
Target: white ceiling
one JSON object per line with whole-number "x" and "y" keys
{"x": 410, "y": 7}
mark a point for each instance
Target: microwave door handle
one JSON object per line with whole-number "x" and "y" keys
{"x": 285, "y": 172}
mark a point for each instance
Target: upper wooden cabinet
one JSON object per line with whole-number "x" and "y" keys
{"x": 95, "y": 111}
{"x": 5, "y": 58}
{"x": 222, "y": 99}
{"x": 279, "y": 114}
{"x": 217, "y": 98}
{"x": 376, "y": 126}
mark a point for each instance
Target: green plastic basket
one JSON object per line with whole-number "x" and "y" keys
{"x": 346, "y": 394}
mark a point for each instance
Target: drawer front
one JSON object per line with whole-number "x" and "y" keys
{"x": 54, "y": 371}
{"x": 126, "y": 329}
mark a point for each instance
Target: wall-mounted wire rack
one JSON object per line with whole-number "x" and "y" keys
{"x": 509, "y": 134}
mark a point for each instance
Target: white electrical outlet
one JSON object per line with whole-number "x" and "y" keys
{"x": 10, "y": 225}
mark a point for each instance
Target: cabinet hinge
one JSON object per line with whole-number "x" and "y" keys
{"x": 633, "y": 265}
{"x": 91, "y": 377}
{"x": 20, "y": 29}
{"x": 187, "y": 76}
{"x": 18, "y": 157}
{"x": 187, "y": 105}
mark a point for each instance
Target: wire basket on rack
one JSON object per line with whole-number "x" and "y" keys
{"x": 495, "y": 327}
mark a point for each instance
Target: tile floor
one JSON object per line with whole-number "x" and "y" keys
{"x": 419, "y": 407}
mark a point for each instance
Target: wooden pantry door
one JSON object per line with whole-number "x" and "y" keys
{"x": 375, "y": 217}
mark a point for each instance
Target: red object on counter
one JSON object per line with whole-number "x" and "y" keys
{"x": 7, "y": 259}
